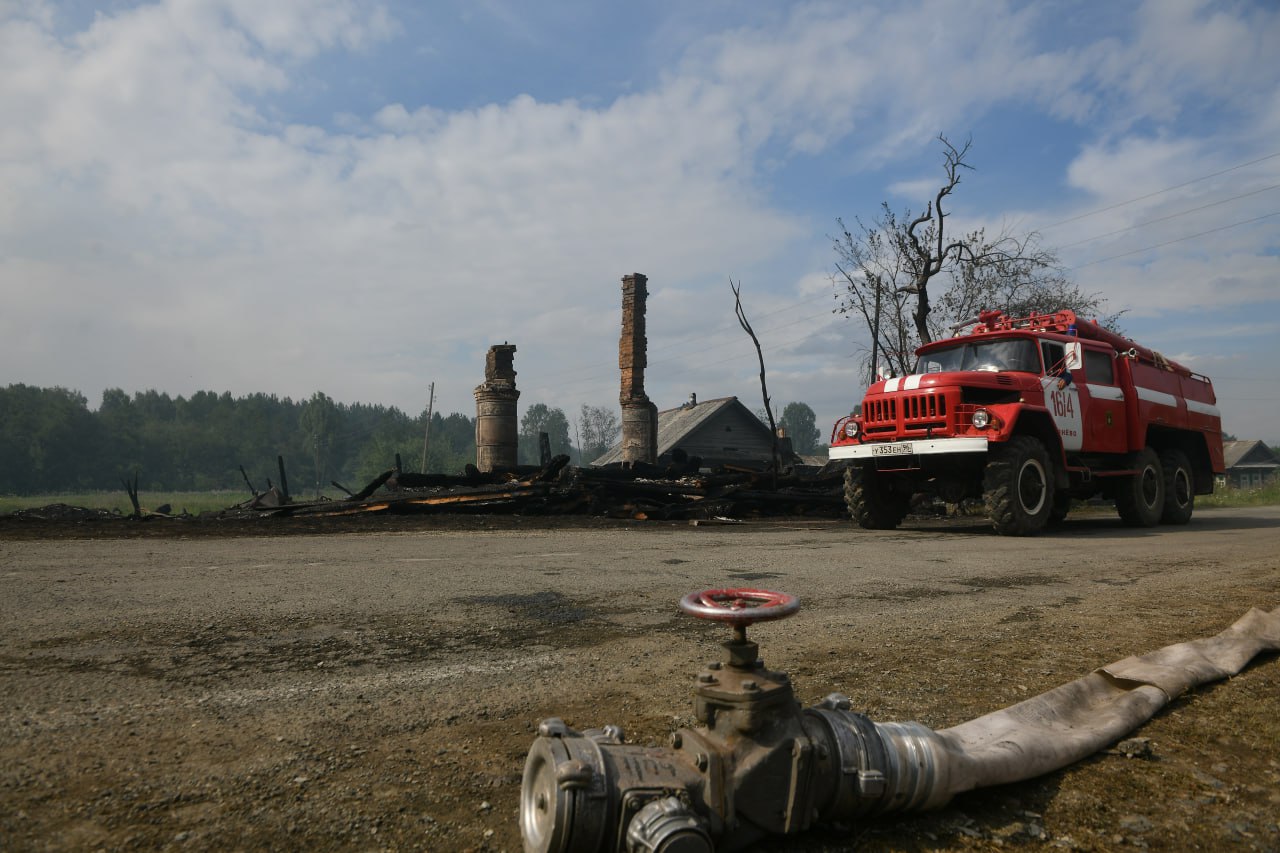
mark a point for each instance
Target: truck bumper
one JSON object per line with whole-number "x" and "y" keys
{"x": 918, "y": 447}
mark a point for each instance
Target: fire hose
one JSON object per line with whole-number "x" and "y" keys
{"x": 759, "y": 765}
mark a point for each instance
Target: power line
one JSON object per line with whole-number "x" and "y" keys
{"x": 586, "y": 388}
{"x": 591, "y": 376}
{"x": 584, "y": 374}
{"x": 1171, "y": 242}
{"x": 1170, "y": 216}
{"x": 738, "y": 340}
{"x": 703, "y": 336}
{"x": 1157, "y": 192}
{"x": 731, "y": 327}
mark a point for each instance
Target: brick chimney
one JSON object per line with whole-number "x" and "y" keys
{"x": 639, "y": 416}
{"x": 497, "y": 431}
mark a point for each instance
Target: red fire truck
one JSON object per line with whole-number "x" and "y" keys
{"x": 1028, "y": 413}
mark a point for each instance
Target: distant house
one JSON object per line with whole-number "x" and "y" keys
{"x": 1250, "y": 464}
{"x": 720, "y": 432}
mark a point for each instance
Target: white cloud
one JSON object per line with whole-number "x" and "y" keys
{"x": 1133, "y": 166}
{"x": 204, "y": 242}
{"x": 301, "y": 28}
{"x": 491, "y": 219}
{"x": 1187, "y": 50}
{"x": 915, "y": 189}
{"x": 1164, "y": 230}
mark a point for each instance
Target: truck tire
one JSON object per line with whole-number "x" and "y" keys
{"x": 1017, "y": 487}
{"x": 1179, "y": 488}
{"x": 1140, "y": 498}
{"x": 872, "y": 502}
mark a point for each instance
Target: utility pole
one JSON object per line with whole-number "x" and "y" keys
{"x": 426, "y": 436}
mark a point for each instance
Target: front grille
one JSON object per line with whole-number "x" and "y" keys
{"x": 923, "y": 406}
{"x": 880, "y": 411}
{"x": 905, "y": 413}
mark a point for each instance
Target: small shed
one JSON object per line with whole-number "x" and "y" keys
{"x": 720, "y": 432}
{"x": 1250, "y": 464}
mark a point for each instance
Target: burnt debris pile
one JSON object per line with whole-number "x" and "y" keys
{"x": 636, "y": 491}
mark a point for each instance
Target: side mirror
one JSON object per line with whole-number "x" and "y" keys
{"x": 1075, "y": 357}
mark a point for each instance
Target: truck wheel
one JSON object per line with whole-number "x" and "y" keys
{"x": 1018, "y": 487}
{"x": 1140, "y": 498}
{"x": 1179, "y": 488}
{"x": 872, "y": 502}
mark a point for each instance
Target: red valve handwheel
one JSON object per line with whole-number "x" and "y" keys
{"x": 739, "y": 607}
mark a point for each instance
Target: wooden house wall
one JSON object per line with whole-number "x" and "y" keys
{"x": 730, "y": 436}
{"x": 1258, "y": 466}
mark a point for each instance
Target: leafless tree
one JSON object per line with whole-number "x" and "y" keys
{"x": 764, "y": 390}
{"x": 885, "y": 270}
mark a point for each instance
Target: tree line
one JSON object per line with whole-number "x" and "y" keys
{"x": 51, "y": 441}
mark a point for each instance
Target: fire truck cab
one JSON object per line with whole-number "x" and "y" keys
{"x": 1028, "y": 413}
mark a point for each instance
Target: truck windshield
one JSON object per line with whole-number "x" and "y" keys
{"x": 995, "y": 356}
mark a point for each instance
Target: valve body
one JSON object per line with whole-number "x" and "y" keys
{"x": 757, "y": 765}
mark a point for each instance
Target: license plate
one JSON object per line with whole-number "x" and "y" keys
{"x": 890, "y": 449}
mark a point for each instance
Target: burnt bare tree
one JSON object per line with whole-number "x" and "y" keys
{"x": 886, "y": 268}
{"x": 764, "y": 390}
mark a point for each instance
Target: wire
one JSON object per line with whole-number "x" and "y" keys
{"x": 590, "y": 375}
{"x": 1170, "y": 216}
{"x": 1157, "y": 192}
{"x": 586, "y": 374}
{"x": 703, "y": 336}
{"x": 583, "y": 389}
{"x": 1171, "y": 242}
{"x": 738, "y": 340}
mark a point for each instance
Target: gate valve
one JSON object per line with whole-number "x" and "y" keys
{"x": 741, "y": 693}
{"x": 740, "y": 608}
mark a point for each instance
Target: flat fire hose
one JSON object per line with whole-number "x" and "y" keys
{"x": 1071, "y": 722}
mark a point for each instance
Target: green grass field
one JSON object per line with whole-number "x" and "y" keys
{"x": 1265, "y": 496}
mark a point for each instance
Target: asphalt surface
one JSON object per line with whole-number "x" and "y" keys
{"x": 380, "y": 689}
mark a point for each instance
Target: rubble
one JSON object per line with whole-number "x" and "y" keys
{"x": 65, "y": 512}
{"x": 637, "y": 491}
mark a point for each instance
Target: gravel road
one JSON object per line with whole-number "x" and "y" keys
{"x": 379, "y": 689}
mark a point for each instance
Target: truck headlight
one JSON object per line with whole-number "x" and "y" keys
{"x": 852, "y": 428}
{"x": 982, "y": 419}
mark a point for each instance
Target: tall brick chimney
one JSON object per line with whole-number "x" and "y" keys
{"x": 639, "y": 416}
{"x": 497, "y": 431}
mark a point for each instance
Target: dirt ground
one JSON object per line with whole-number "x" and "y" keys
{"x": 376, "y": 685}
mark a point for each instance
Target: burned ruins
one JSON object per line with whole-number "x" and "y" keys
{"x": 660, "y": 469}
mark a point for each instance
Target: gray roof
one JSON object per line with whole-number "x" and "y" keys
{"x": 1234, "y": 454}
{"x": 674, "y": 425}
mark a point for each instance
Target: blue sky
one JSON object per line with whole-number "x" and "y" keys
{"x": 361, "y": 198}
